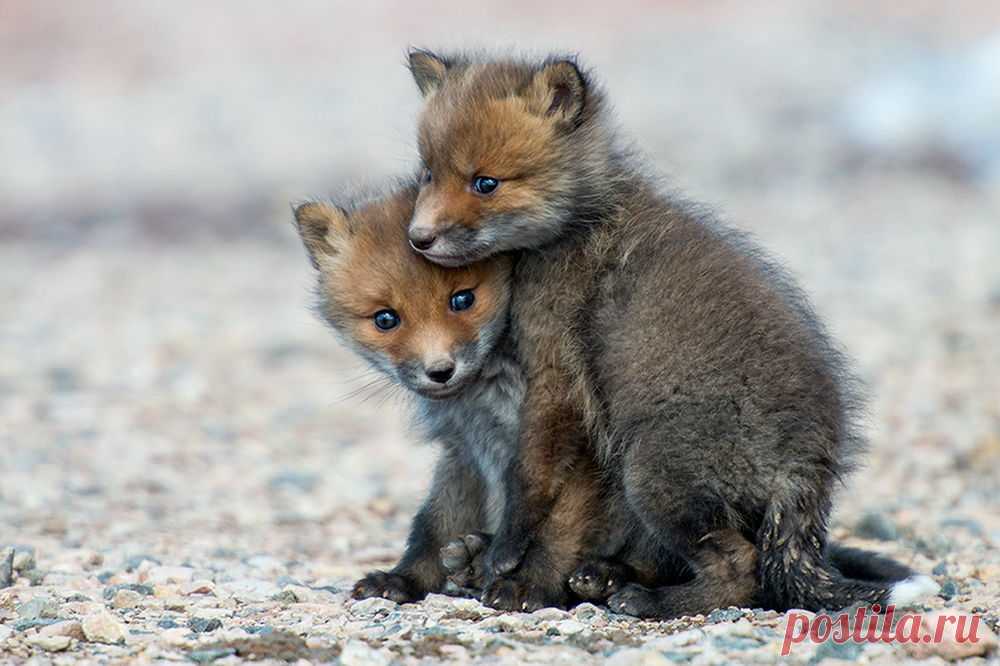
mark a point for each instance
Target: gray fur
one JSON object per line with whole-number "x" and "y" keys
{"x": 480, "y": 426}
{"x": 712, "y": 396}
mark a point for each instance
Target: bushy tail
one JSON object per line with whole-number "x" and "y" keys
{"x": 866, "y": 565}
{"x": 797, "y": 571}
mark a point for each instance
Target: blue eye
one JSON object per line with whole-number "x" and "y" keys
{"x": 462, "y": 300}
{"x": 485, "y": 184}
{"x": 386, "y": 319}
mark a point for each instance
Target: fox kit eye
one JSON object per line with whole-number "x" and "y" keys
{"x": 462, "y": 300}
{"x": 426, "y": 176}
{"x": 484, "y": 184}
{"x": 386, "y": 320}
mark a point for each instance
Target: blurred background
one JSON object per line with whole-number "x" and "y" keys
{"x": 165, "y": 390}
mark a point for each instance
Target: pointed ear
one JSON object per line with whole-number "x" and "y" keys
{"x": 323, "y": 227}
{"x": 428, "y": 70}
{"x": 559, "y": 91}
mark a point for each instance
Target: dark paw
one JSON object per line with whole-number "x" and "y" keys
{"x": 510, "y": 594}
{"x": 505, "y": 554}
{"x": 596, "y": 580}
{"x": 462, "y": 560}
{"x": 634, "y": 599}
{"x": 391, "y": 586}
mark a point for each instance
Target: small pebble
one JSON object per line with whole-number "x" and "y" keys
{"x": 126, "y": 599}
{"x": 198, "y": 587}
{"x": 208, "y": 656}
{"x": 569, "y": 627}
{"x": 876, "y": 525}
{"x": 37, "y": 608}
{"x": 202, "y": 625}
{"x": 135, "y": 561}
{"x": 724, "y": 615}
{"x": 50, "y": 643}
{"x": 356, "y": 653}
{"x": 70, "y": 628}
{"x": 6, "y": 567}
{"x": 372, "y": 606}
{"x": 112, "y": 590}
{"x": 949, "y": 589}
{"x": 24, "y": 625}
{"x": 24, "y": 561}
{"x": 549, "y": 615}
{"x": 103, "y": 627}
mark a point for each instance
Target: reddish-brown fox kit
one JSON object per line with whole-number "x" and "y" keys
{"x": 654, "y": 340}
{"x": 441, "y": 333}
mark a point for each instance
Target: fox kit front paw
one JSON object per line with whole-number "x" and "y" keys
{"x": 522, "y": 593}
{"x": 463, "y": 560}
{"x": 596, "y": 580}
{"x": 387, "y": 585}
{"x": 505, "y": 554}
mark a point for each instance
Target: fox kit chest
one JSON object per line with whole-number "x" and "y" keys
{"x": 481, "y": 426}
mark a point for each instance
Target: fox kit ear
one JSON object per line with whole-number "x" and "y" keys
{"x": 428, "y": 70}
{"x": 559, "y": 91}
{"x": 322, "y": 227}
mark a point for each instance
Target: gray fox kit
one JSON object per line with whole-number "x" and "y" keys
{"x": 654, "y": 340}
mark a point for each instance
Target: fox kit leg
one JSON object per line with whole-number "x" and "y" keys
{"x": 555, "y": 548}
{"x": 668, "y": 481}
{"x": 725, "y": 566}
{"x": 551, "y": 450}
{"x": 452, "y": 509}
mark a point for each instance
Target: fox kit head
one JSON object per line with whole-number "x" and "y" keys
{"x": 510, "y": 149}
{"x": 429, "y": 328}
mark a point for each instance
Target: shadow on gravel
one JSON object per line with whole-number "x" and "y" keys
{"x": 280, "y": 645}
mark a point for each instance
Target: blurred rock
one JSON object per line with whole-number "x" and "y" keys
{"x": 50, "y": 643}
{"x": 103, "y": 627}
{"x": 126, "y": 599}
{"x": 203, "y": 625}
{"x": 112, "y": 590}
{"x": 876, "y": 525}
{"x": 6, "y": 567}
{"x": 24, "y": 561}
{"x": 37, "y": 608}
{"x": 70, "y": 628}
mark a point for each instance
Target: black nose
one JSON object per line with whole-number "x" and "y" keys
{"x": 441, "y": 372}
{"x": 421, "y": 239}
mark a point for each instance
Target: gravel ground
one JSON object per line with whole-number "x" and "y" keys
{"x": 192, "y": 469}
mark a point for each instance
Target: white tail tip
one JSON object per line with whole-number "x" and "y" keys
{"x": 912, "y": 589}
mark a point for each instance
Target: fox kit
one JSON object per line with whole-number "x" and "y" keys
{"x": 691, "y": 366}
{"x": 442, "y": 334}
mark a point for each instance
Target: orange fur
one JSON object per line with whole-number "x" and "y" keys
{"x": 367, "y": 266}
